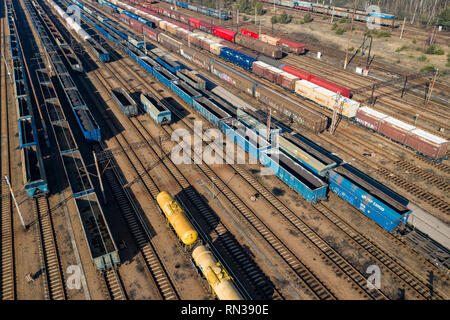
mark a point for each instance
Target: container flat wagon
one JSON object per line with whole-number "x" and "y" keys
{"x": 376, "y": 201}
{"x": 124, "y": 101}
{"x": 294, "y": 175}
{"x": 157, "y": 110}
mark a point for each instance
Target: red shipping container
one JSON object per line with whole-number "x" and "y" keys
{"x": 296, "y": 72}
{"x": 295, "y": 46}
{"x": 330, "y": 86}
{"x": 224, "y": 33}
{"x": 136, "y": 25}
{"x": 195, "y": 23}
{"x": 249, "y": 33}
{"x": 152, "y": 33}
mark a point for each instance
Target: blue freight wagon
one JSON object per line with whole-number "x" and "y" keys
{"x": 245, "y": 138}
{"x": 237, "y": 58}
{"x": 148, "y": 63}
{"x": 294, "y": 175}
{"x": 157, "y": 110}
{"x": 169, "y": 64}
{"x": 34, "y": 178}
{"x": 124, "y": 101}
{"x": 379, "y": 203}
{"x": 185, "y": 91}
{"x": 27, "y": 132}
{"x": 165, "y": 76}
{"x": 311, "y": 158}
{"x": 87, "y": 123}
{"x": 210, "y": 110}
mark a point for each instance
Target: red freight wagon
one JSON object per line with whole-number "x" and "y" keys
{"x": 427, "y": 143}
{"x": 205, "y": 26}
{"x": 136, "y": 25}
{"x": 124, "y": 18}
{"x": 369, "y": 118}
{"x": 250, "y": 34}
{"x": 294, "y": 46}
{"x": 152, "y": 33}
{"x": 296, "y": 72}
{"x": 195, "y": 23}
{"x": 330, "y": 86}
{"x": 395, "y": 129}
{"x": 224, "y": 33}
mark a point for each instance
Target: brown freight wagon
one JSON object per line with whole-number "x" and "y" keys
{"x": 233, "y": 77}
{"x": 305, "y": 117}
{"x": 259, "y": 46}
{"x": 288, "y": 81}
{"x": 201, "y": 60}
{"x": 426, "y": 143}
{"x": 169, "y": 43}
{"x": 369, "y": 118}
{"x": 194, "y": 40}
{"x": 395, "y": 129}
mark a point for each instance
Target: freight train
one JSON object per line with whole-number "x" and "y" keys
{"x": 216, "y": 275}
{"x": 102, "y": 248}
{"x": 219, "y": 14}
{"x": 360, "y": 15}
{"x": 324, "y": 93}
{"x": 33, "y": 171}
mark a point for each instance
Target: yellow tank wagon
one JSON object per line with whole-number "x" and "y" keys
{"x": 215, "y": 274}
{"x": 177, "y": 219}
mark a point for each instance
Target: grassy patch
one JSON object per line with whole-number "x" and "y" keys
{"x": 422, "y": 58}
{"x": 434, "y": 50}
{"x": 402, "y": 48}
{"x": 428, "y": 68}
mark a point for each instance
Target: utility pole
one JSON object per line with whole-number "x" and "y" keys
{"x": 403, "y": 27}
{"x": 431, "y": 87}
{"x": 15, "y": 203}
{"x": 349, "y": 37}
{"x": 99, "y": 177}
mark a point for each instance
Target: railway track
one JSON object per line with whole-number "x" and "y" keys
{"x": 55, "y": 289}
{"x": 381, "y": 256}
{"x": 113, "y": 285}
{"x": 8, "y": 276}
